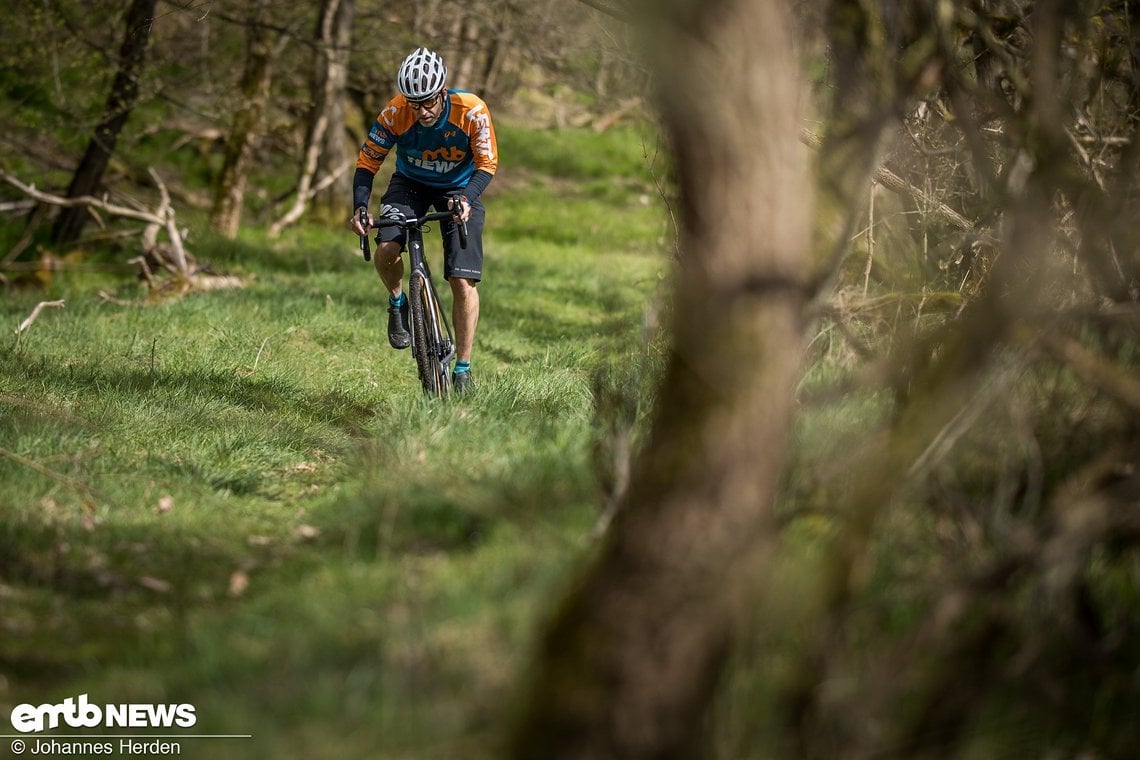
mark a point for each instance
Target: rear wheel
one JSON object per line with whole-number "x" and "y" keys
{"x": 427, "y": 337}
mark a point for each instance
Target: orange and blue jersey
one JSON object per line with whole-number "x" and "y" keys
{"x": 445, "y": 155}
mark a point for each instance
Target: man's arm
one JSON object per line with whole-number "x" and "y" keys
{"x": 361, "y": 192}
{"x": 477, "y": 184}
{"x": 484, "y": 148}
{"x": 362, "y": 186}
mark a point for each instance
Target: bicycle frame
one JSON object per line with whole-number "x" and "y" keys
{"x": 433, "y": 344}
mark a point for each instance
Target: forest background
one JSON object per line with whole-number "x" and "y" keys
{"x": 808, "y": 418}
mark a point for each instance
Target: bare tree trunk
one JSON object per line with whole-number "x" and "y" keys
{"x": 334, "y": 25}
{"x": 450, "y": 44}
{"x": 496, "y": 52}
{"x": 336, "y": 149}
{"x": 630, "y": 663}
{"x": 425, "y": 20}
{"x": 255, "y": 82}
{"x": 120, "y": 102}
{"x": 468, "y": 49}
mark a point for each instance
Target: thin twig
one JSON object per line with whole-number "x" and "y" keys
{"x": 897, "y": 184}
{"x": 967, "y": 417}
{"x": 870, "y": 238}
{"x": 612, "y": 9}
{"x": 78, "y": 485}
{"x": 36, "y": 314}
{"x": 662, "y": 194}
{"x": 257, "y": 358}
{"x": 1094, "y": 369}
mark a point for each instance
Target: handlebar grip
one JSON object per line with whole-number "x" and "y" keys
{"x": 456, "y": 199}
{"x": 365, "y": 248}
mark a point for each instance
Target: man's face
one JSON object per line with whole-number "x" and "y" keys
{"x": 428, "y": 111}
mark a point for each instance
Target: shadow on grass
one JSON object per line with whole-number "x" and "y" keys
{"x": 301, "y": 251}
{"x": 273, "y": 395}
{"x": 77, "y": 598}
{"x": 453, "y": 505}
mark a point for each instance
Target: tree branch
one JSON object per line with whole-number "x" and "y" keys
{"x": 36, "y": 314}
{"x": 613, "y": 9}
{"x": 162, "y": 217}
{"x": 1093, "y": 369}
{"x": 897, "y": 184}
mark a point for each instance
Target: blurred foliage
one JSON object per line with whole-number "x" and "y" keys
{"x": 967, "y": 447}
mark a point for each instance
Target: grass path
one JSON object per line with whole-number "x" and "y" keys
{"x": 241, "y": 501}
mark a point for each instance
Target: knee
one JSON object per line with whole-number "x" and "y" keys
{"x": 389, "y": 252}
{"x": 462, "y": 287}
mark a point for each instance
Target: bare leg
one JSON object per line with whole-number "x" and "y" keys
{"x": 390, "y": 266}
{"x": 465, "y": 315}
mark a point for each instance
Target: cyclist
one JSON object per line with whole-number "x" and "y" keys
{"x": 445, "y": 145}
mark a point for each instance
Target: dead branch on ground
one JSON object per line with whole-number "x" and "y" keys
{"x": 36, "y": 314}
{"x": 169, "y": 254}
{"x": 161, "y": 218}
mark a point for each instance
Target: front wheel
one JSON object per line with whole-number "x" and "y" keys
{"x": 428, "y": 337}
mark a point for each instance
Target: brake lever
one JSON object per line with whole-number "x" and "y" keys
{"x": 462, "y": 225}
{"x": 365, "y": 247}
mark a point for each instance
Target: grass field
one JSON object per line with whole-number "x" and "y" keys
{"x": 240, "y": 499}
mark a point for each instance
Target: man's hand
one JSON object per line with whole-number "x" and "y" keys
{"x": 460, "y": 206}
{"x": 354, "y": 222}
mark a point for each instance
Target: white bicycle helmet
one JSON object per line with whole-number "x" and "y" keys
{"x": 421, "y": 75}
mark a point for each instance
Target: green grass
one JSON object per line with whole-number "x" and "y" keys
{"x": 579, "y": 153}
{"x": 241, "y": 500}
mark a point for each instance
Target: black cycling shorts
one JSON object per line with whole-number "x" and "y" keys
{"x": 414, "y": 199}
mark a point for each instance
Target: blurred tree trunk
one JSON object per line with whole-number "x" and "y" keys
{"x": 424, "y": 22}
{"x": 247, "y": 125}
{"x": 324, "y": 150}
{"x": 497, "y": 51}
{"x": 630, "y": 663}
{"x": 336, "y": 149}
{"x": 121, "y": 100}
{"x": 466, "y": 39}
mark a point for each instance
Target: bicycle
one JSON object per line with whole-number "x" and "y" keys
{"x": 433, "y": 344}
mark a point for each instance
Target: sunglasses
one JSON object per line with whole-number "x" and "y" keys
{"x": 419, "y": 105}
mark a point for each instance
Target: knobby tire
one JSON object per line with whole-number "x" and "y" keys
{"x": 426, "y": 337}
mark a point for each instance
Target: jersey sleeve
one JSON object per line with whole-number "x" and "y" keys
{"x": 382, "y": 136}
{"x": 476, "y": 123}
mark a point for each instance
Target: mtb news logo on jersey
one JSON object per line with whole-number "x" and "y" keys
{"x": 78, "y": 712}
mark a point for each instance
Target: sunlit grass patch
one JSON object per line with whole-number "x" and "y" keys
{"x": 242, "y": 499}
